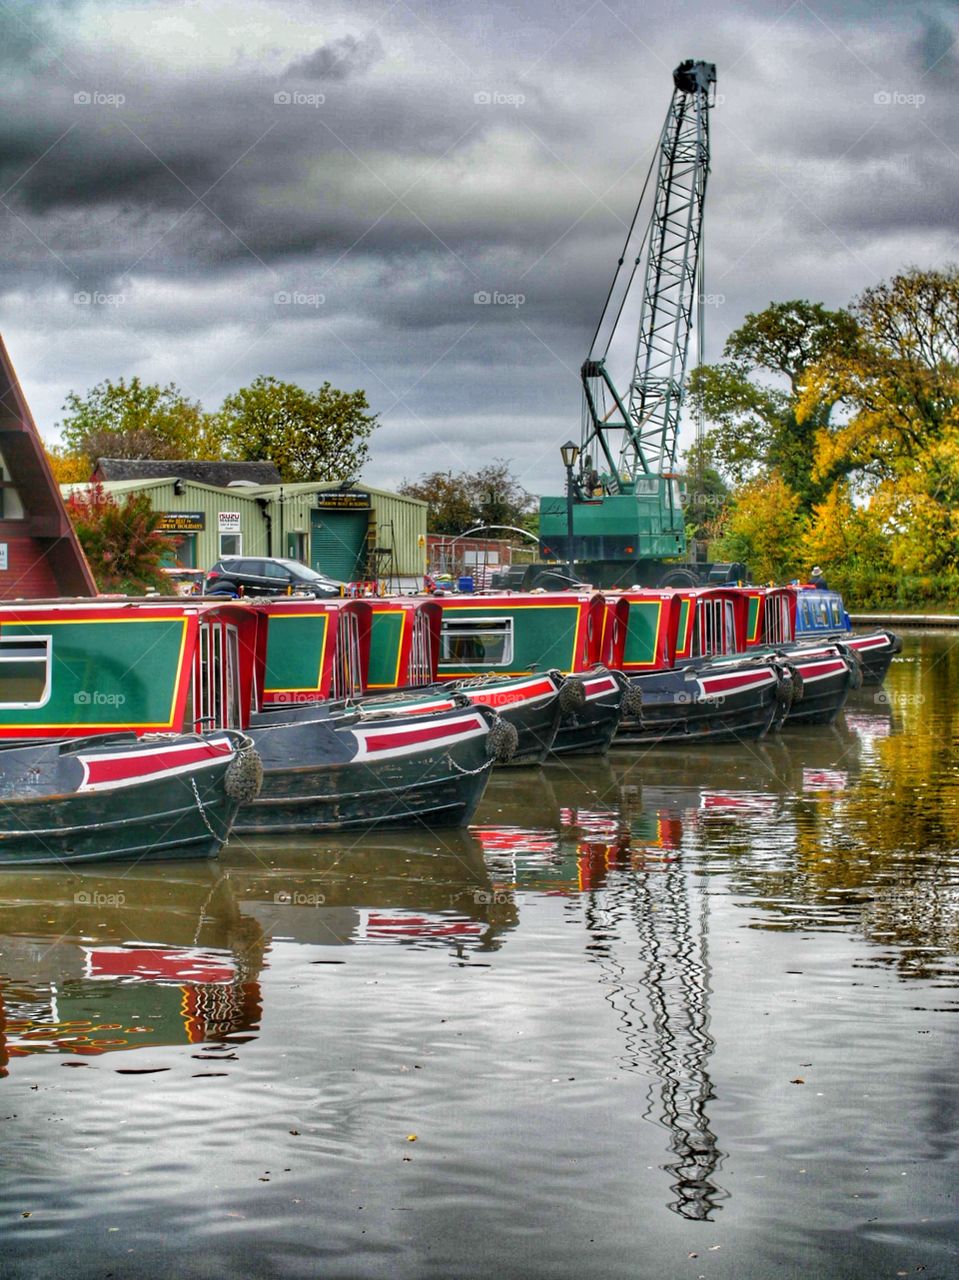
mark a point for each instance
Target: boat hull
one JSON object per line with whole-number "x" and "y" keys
{"x": 722, "y": 702}
{"x": 127, "y": 799}
{"x": 339, "y": 773}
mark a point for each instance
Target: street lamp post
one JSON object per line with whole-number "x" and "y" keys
{"x": 570, "y": 454}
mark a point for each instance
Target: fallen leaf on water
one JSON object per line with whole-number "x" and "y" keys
{"x": 411, "y": 1137}
{"x": 798, "y": 1080}
{"x": 295, "y": 1132}
{"x": 27, "y": 1214}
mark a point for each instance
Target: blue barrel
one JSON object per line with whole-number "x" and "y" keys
{"x": 464, "y": 584}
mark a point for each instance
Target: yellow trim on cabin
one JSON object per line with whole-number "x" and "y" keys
{"x": 133, "y": 724}
{"x": 405, "y": 614}
{"x": 320, "y": 613}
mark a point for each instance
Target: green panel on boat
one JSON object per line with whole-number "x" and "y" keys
{"x": 102, "y": 674}
{"x": 681, "y": 633}
{"x": 752, "y": 617}
{"x": 510, "y": 639}
{"x": 641, "y": 632}
{"x": 294, "y": 652}
{"x": 386, "y": 637}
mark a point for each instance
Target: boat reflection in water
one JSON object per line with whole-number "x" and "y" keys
{"x": 387, "y": 889}
{"x": 94, "y": 963}
{"x": 647, "y": 923}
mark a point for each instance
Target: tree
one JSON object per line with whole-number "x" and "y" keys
{"x": 121, "y": 542}
{"x": 68, "y": 468}
{"x": 765, "y": 529}
{"x": 134, "y": 420}
{"x": 308, "y": 435}
{"x": 898, "y": 382}
{"x": 488, "y": 497}
{"x": 756, "y": 426}
{"x": 707, "y": 497}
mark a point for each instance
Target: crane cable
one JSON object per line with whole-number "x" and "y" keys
{"x": 622, "y": 259}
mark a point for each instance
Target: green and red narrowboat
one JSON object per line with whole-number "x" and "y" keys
{"x": 152, "y": 776}
{"x": 682, "y": 650}
{"x": 196, "y": 667}
{"x": 539, "y": 639}
{"x": 121, "y": 797}
{"x": 333, "y": 761}
{"x": 824, "y": 673}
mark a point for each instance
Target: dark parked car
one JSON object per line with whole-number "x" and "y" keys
{"x": 267, "y": 576}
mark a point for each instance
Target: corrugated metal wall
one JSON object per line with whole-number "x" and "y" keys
{"x": 399, "y": 523}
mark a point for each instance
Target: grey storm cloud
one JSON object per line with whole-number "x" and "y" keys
{"x": 314, "y": 191}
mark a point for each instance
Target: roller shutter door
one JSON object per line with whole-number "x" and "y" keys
{"x": 338, "y": 543}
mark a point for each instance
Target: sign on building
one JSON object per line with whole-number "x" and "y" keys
{"x": 182, "y": 521}
{"x": 343, "y": 500}
{"x": 228, "y": 522}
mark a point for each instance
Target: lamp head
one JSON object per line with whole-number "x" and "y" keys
{"x": 570, "y": 453}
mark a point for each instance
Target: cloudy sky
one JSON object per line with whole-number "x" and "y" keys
{"x": 317, "y": 190}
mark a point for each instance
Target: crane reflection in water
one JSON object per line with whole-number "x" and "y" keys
{"x": 647, "y": 922}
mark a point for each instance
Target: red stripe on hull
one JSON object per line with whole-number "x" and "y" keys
{"x": 143, "y": 764}
{"x": 726, "y": 684}
{"x": 390, "y": 741}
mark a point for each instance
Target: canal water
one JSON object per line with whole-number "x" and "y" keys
{"x": 667, "y": 1014}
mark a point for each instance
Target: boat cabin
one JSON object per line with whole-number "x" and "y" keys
{"x": 404, "y": 644}
{"x": 780, "y": 615}
{"x": 653, "y": 630}
{"x": 520, "y": 633}
{"x": 74, "y": 667}
{"x": 310, "y": 650}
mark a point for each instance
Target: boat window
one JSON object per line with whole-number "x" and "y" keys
{"x": 836, "y": 613}
{"x": 25, "y": 672}
{"x": 477, "y": 642}
{"x": 824, "y": 613}
{"x": 806, "y": 613}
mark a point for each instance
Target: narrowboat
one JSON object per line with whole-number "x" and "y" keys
{"x": 413, "y": 656}
{"x": 116, "y": 796}
{"x": 333, "y": 761}
{"x": 538, "y": 639}
{"x": 825, "y": 671}
{"x": 811, "y": 615}
{"x": 682, "y": 650}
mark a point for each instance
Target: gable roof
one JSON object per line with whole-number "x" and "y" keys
{"x": 218, "y": 474}
{"x": 45, "y": 556}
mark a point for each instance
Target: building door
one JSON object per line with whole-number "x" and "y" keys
{"x": 338, "y": 543}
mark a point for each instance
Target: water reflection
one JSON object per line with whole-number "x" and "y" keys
{"x": 646, "y": 922}
{"x": 381, "y": 889}
{"x": 94, "y": 962}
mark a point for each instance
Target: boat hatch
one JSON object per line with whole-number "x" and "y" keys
{"x": 715, "y": 627}
{"x": 777, "y": 620}
{"x": 347, "y": 664}
{"x": 25, "y": 672}
{"x": 216, "y": 678}
{"x": 477, "y": 642}
{"x": 421, "y": 652}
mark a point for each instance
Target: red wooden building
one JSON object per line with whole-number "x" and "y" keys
{"x": 40, "y": 555}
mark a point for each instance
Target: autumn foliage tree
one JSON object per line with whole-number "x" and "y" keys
{"x": 121, "y": 541}
{"x": 133, "y": 419}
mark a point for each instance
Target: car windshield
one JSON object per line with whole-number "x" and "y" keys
{"x": 304, "y": 571}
